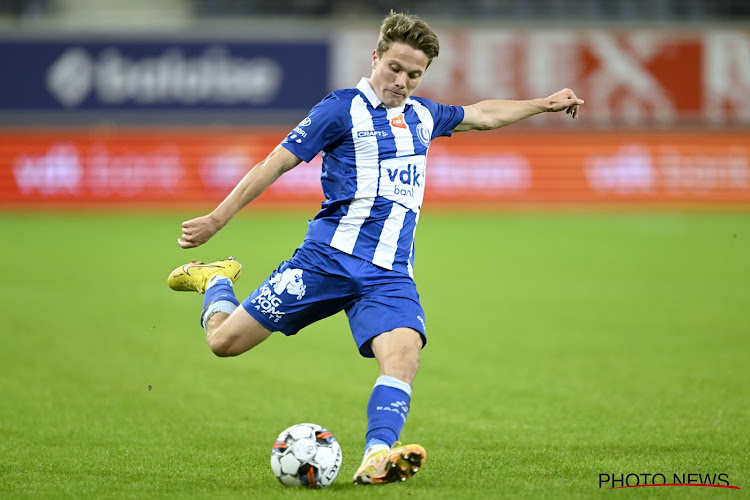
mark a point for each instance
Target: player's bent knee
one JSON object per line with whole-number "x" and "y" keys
{"x": 397, "y": 353}
{"x": 232, "y": 344}
{"x": 236, "y": 336}
{"x": 223, "y": 346}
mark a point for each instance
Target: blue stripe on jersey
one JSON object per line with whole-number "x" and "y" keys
{"x": 339, "y": 180}
{"x": 371, "y": 230}
{"x": 406, "y": 241}
{"x": 373, "y": 170}
{"x": 381, "y": 124}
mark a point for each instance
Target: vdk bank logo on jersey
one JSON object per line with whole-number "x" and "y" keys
{"x": 269, "y": 298}
{"x": 402, "y": 180}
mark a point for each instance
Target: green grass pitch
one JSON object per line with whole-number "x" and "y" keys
{"x": 561, "y": 346}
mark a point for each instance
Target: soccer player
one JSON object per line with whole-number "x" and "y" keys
{"x": 358, "y": 253}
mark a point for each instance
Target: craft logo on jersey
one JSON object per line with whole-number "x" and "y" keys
{"x": 372, "y": 133}
{"x": 424, "y": 134}
{"x": 398, "y": 121}
{"x": 269, "y": 298}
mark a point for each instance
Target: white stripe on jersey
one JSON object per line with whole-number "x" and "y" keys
{"x": 409, "y": 267}
{"x": 424, "y": 115}
{"x": 402, "y": 135}
{"x": 385, "y": 253}
{"x": 349, "y": 226}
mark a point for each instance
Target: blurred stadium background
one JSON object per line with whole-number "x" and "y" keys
{"x": 136, "y": 103}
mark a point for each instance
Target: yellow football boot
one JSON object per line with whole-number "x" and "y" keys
{"x": 391, "y": 466}
{"x": 194, "y": 276}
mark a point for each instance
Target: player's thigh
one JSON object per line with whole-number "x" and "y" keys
{"x": 298, "y": 294}
{"x": 385, "y": 307}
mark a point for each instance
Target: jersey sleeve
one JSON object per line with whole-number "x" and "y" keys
{"x": 323, "y": 125}
{"x": 445, "y": 117}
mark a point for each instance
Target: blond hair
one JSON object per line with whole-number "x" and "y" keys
{"x": 411, "y": 30}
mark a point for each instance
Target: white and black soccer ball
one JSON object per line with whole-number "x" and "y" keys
{"x": 306, "y": 455}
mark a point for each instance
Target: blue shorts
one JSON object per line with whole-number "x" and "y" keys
{"x": 319, "y": 281}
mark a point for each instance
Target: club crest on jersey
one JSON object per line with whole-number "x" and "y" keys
{"x": 398, "y": 121}
{"x": 424, "y": 134}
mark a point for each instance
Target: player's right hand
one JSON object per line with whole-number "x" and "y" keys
{"x": 196, "y": 232}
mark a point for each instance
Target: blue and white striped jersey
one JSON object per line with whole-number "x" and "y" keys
{"x": 373, "y": 170}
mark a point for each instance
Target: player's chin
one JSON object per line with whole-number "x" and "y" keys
{"x": 395, "y": 102}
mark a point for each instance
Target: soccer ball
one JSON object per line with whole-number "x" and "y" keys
{"x": 306, "y": 455}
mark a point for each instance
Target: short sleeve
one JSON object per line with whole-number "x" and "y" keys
{"x": 445, "y": 117}
{"x": 323, "y": 125}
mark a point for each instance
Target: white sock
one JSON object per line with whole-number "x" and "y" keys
{"x": 219, "y": 306}
{"x": 216, "y": 277}
{"x": 374, "y": 449}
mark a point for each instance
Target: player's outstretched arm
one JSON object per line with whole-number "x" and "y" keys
{"x": 488, "y": 115}
{"x": 196, "y": 232}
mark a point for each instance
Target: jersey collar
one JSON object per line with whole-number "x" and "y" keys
{"x": 364, "y": 87}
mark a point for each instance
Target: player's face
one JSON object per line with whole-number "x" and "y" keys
{"x": 397, "y": 73}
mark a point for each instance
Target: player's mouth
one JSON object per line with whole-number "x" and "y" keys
{"x": 395, "y": 94}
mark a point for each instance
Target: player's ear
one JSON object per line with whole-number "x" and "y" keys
{"x": 374, "y": 58}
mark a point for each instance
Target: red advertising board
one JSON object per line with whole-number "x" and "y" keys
{"x": 627, "y": 76}
{"x": 184, "y": 167}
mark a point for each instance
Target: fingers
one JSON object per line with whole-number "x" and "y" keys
{"x": 573, "y": 111}
{"x": 185, "y": 244}
{"x": 189, "y": 241}
{"x": 188, "y": 235}
{"x": 567, "y": 100}
{"x": 571, "y": 106}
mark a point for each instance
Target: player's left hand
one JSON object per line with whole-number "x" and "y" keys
{"x": 564, "y": 99}
{"x": 196, "y": 232}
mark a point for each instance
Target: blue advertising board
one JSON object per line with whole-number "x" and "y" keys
{"x": 162, "y": 75}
